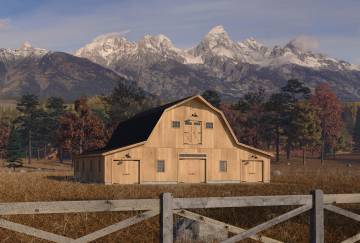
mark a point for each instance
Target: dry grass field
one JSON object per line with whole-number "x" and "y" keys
{"x": 50, "y": 181}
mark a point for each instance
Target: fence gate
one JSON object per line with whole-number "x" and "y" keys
{"x": 167, "y": 206}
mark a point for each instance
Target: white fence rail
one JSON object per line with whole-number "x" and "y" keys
{"x": 167, "y": 206}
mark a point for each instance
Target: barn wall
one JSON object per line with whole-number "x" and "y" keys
{"x": 89, "y": 169}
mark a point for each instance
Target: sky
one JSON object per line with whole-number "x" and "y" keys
{"x": 327, "y": 26}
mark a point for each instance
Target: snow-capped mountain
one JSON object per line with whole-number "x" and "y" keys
{"x": 110, "y": 48}
{"x": 45, "y": 73}
{"x": 25, "y": 51}
{"x": 218, "y": 62}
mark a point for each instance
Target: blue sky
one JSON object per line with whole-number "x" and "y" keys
{"x": 330, "y": 26}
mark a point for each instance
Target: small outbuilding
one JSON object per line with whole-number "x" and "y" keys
{"x": 187, "y": 141}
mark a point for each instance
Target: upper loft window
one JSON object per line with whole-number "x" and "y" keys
{"x": 209, "y": 125}
{"x": 175, "y": 124}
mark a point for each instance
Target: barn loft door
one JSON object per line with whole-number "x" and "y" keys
{"x": 192, "y": 132}
{"x": 253, "y": 171}
{"x": 125, "y": 172}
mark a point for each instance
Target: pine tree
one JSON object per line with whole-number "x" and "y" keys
{"x": 356, "y": 134}
{"x": 306, "y": 127}
{"x": 212, "y": 97}
{"x": 14, "y": 153}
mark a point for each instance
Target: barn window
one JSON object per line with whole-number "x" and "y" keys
{"x": 209, "y": 125}
{"x": 91, "y": 166}
{"x": 175, "y": 124}
{"x": 160, "y": 166}
{"x": 82, "y": 165}
{"x": 223, "y": 166}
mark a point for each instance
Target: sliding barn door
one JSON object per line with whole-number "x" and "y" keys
{"x": 191, "y": 171}
{"x": 253, "y": 171}
{"x": 125, "y": 172}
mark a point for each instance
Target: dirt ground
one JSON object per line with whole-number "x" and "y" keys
{"x": 53, "y": 181}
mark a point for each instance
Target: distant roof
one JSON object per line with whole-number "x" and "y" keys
{"x": 136, "y": 129}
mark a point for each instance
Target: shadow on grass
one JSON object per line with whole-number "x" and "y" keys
{"x": 62, "y": 178}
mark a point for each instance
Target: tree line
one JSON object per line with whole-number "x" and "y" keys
{"x": 291, "y": 120}
{"x": 53, "y": 128}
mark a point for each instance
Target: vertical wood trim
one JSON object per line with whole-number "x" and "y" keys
{"x": 317, "y": 217}
{"x": 166, "y": 218}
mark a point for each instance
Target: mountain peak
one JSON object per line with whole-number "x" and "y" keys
{"x": 218, "y": 29}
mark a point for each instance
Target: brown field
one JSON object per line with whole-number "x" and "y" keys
{"x": 50, "y": 181}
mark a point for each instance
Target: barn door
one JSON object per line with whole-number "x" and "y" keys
{"x": 252, "y": 171}
{"x": 196, "y": 132}
{"x": 125, "y": 172}
{"x": 188, "y": 132}
{"x": 191, "y": 171}
{"x": 192, "y": 132}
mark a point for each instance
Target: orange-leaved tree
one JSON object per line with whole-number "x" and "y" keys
{"x": 329, "y": 114}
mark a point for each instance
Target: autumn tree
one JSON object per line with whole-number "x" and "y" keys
{"x": 80, "y": 130}
{"x": 356, "y": 134}
{"x": 252, "y": 108}
{"x": 329, "y": 114}
{"x": 212, "y": 97}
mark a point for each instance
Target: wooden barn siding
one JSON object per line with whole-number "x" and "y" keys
{"x": 166, "y": 143}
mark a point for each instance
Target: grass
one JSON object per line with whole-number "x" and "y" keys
{"x": 49, "y": 181}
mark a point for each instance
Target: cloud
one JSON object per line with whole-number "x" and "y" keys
{"x": 305, "y": 43}
{"x": 4, "y": 23}
{"x": 112, "y": 34}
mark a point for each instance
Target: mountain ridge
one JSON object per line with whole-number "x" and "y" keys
{"x": 230, "y": 67}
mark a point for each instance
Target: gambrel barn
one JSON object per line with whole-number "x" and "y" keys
{"x": 187, "y": 141}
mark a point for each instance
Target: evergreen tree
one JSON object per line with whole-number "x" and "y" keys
{"x": 212, "y": 97}
{"x": 356, "y": 134}
{"x": 14, "y": 153}
{"x": 306, "y": 127}
{"x": 28, "y": 106}
{"x": 125, "y": 102}
{"x": 290, "y": 94}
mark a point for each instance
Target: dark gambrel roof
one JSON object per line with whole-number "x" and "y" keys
{"x": 136, "y": 129}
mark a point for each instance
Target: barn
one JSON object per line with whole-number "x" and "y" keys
{"x": 186, "y": 141}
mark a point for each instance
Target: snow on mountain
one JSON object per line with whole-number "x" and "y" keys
{"x": 24, "y": 51}
{"x": 110, "y": 48}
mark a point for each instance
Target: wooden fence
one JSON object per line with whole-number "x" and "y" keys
{"x": 167, "y": 206}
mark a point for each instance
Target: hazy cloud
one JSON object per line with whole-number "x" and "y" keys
{"x": 4, "y": 23}
{"x": 306, "y": 43}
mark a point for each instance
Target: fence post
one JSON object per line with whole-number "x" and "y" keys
{"x": 317, "y": 217}
{"x": 166, "y": 218}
